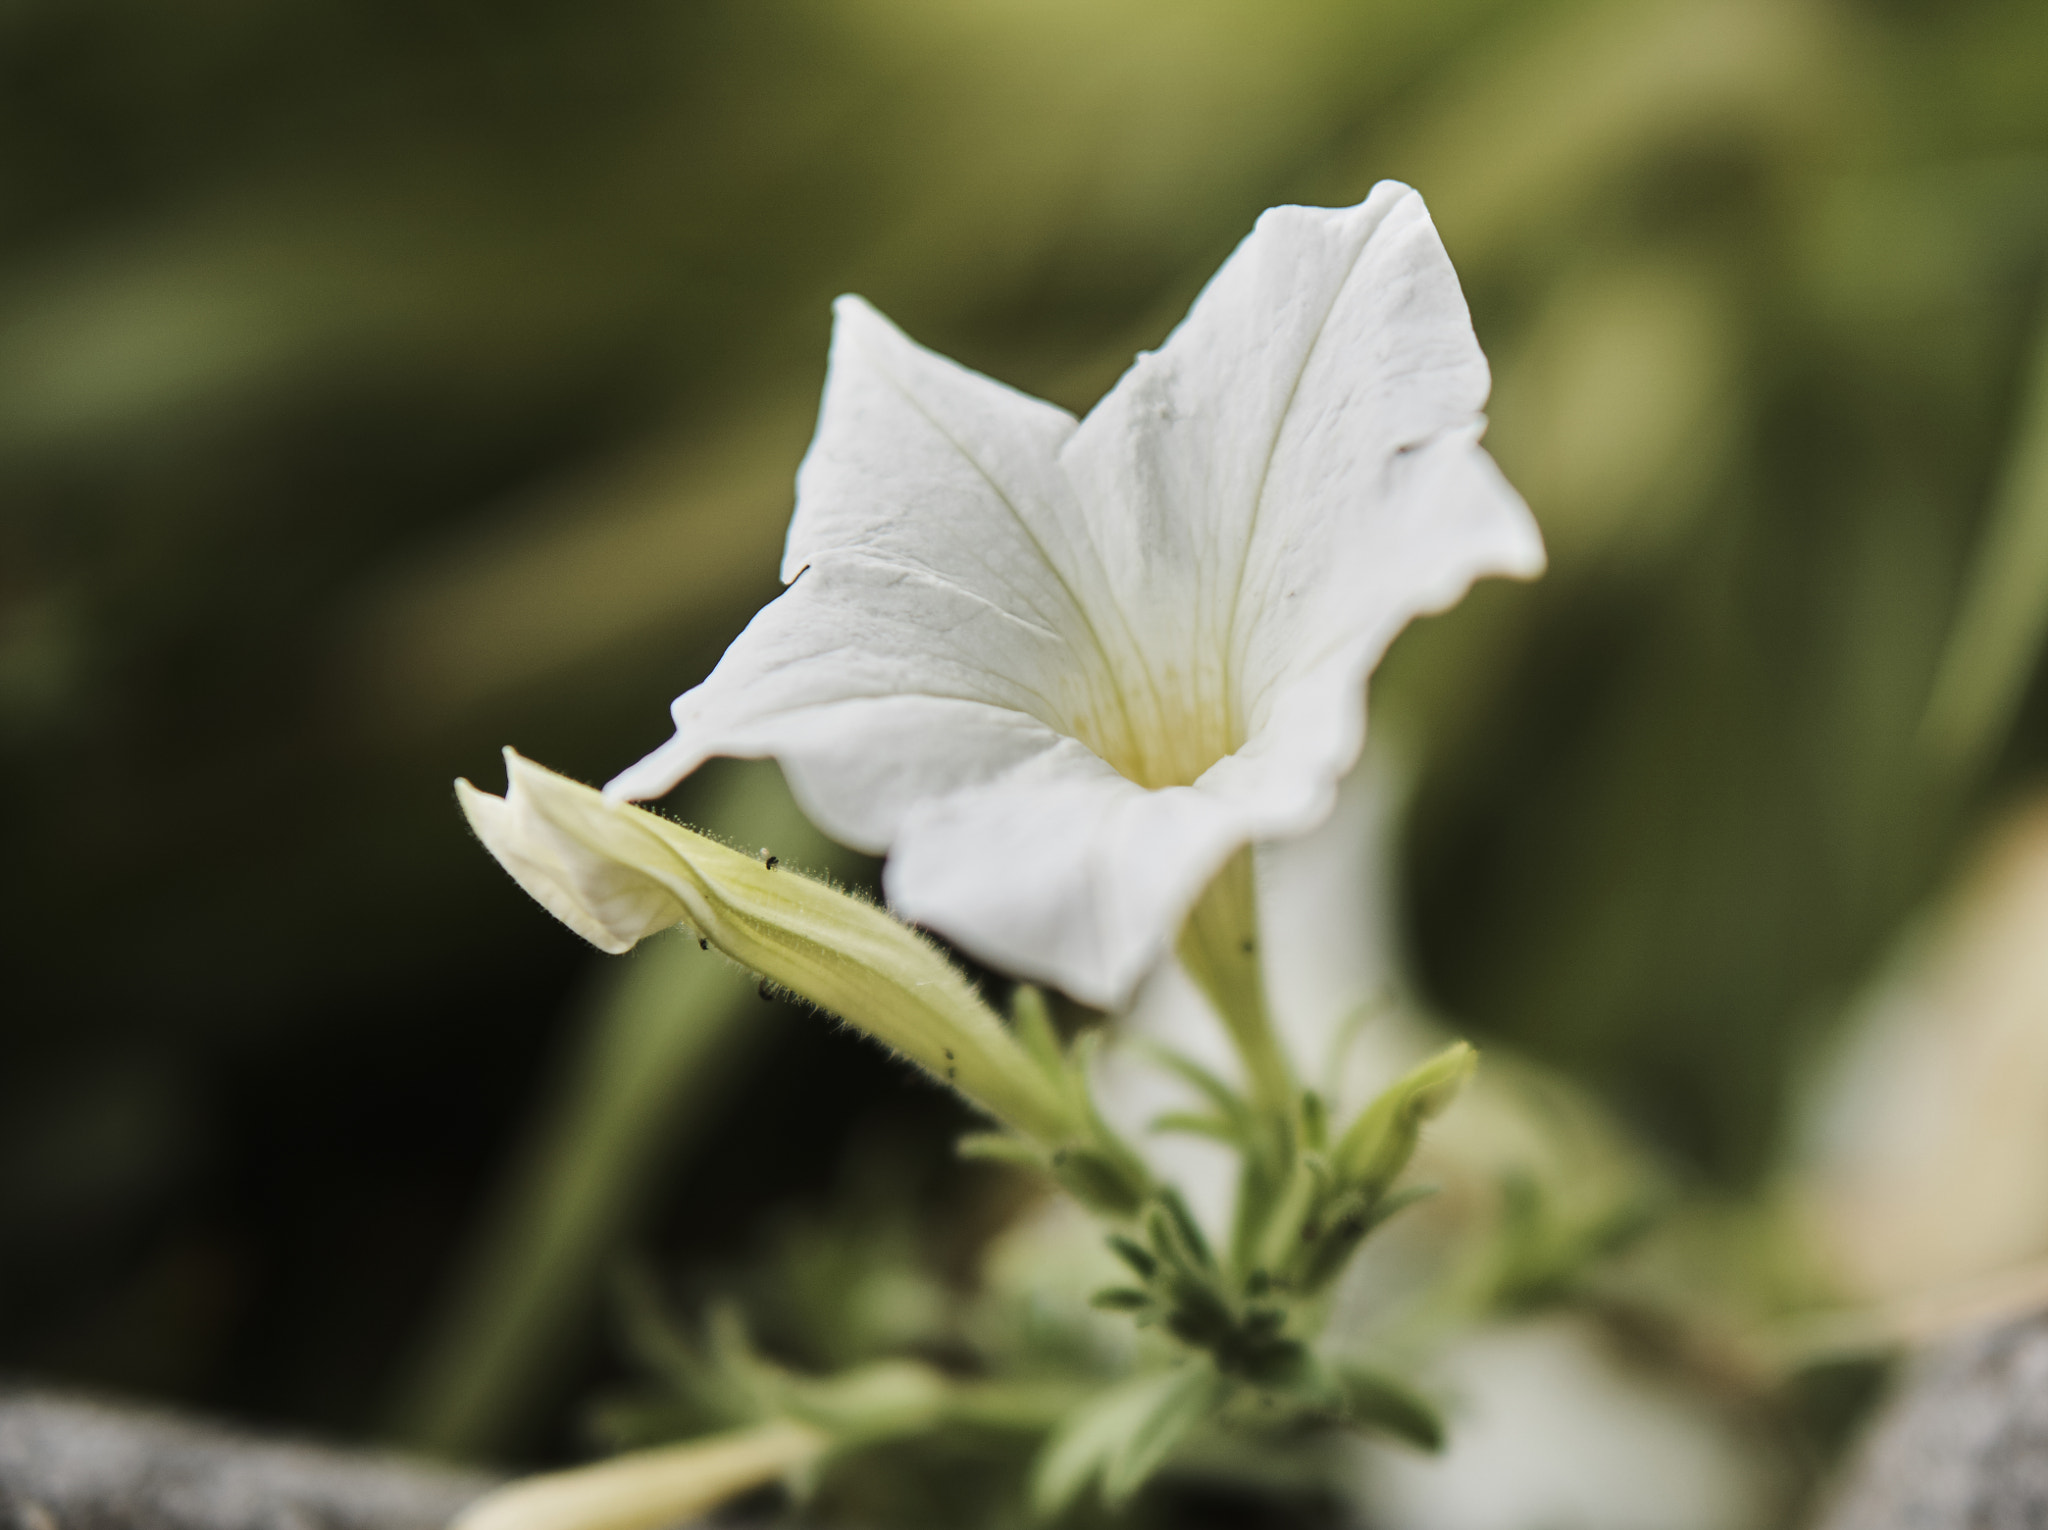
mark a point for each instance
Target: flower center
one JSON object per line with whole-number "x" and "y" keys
{"x": 1157, "y": 730}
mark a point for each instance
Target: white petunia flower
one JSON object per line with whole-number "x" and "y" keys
{"x": 1060, "y": 672}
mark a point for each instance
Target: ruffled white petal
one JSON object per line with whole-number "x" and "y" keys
{"x": 1061, "y": 673}
{"x": 934, "y": 633}
{"x": 1303, "y": 450}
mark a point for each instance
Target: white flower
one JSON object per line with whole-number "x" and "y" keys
{"x": 1060, "y": 672}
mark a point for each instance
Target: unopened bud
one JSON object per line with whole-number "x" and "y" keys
{"x": 1380, "y": 1142}
{"x": 615, "y": 874}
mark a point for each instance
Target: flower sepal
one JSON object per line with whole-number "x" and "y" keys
{"x": 1095, "y": 1166}
{"x": 1335, "y": 1198}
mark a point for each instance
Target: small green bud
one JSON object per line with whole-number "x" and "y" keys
{"x": 1380, "y": 1142}
{"x": 1175, "y": 1233}
{"x": 1374, "y": 1401}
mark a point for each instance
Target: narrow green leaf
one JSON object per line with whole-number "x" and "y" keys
{"x": 1188, "y": 1124}
{"x": 1227, "y": 1101}
{"x": 1387, "y": 1206}
{"x": 1000, "y": 1147}
{"x": 1185, "y": 1231}
{"x": 1315, "y": 1122}
{"x": 1133, "y": 1255}
{"x": 1374, "y": 1400}
{"x": 1035, "y": 1030}
{"x": 1175, "y": 1413}
{"x": 1121, "y": 1299}
{"x": 1120, "y": 1436}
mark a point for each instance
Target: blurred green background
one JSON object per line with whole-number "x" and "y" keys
{"x": 382, "y": 383}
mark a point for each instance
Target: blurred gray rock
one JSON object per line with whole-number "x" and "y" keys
{"x": 1964, "y": 1446}
{"x": 67, "y": 1463}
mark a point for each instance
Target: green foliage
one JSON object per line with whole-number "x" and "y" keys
{"x": 1373, "y": 1400}
{"x": 1120, "y": 1438}
{"x": 1093, "y": 1165}
{"x": 1543, "y": 1253}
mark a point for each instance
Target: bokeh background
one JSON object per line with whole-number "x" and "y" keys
{"x": 380, "y": 384}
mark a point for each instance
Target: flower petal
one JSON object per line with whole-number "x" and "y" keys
{"x": 935, "y": 556}
{"x": 1061, "y": 870}
{"x": 1296, "y": 475}
{"x": 876, "y": 687}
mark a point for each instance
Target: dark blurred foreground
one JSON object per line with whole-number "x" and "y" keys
{"x": 382, "y": 384}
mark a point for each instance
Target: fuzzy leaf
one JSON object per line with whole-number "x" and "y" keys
{"x": 1120, "y": 1437}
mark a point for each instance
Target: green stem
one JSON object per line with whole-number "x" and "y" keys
{"x": 1219, "y": 945}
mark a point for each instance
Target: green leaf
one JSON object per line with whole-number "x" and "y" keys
{"x": 1035, "y": 1030}
{"x": 1188, "y": 1124}
{"x": 1315, "y": 1122}
{"x": 1228, "y": 1103}
{"x": 1346, "y": 1222}
{"x": 1176, "y": 1412}
{"x": 1000, "y": 1147}
{"x": 654, "y": 1339}
{"x": 1373, "y": 1400}
{"x": 1133, "y": 1255}
{"x": 1120, "y": 1437}
{"x": 1385, "y": 1208}
{"x": 1121, "y": 1299}
{"x": 1174, "y": 1228}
